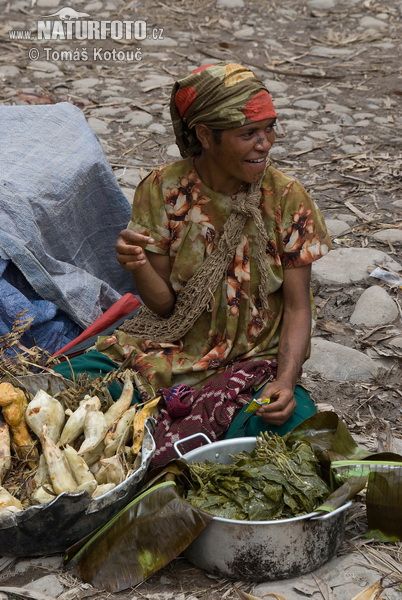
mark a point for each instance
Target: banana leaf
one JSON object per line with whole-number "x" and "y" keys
{"x": 335, "y": 447}
{"x": 141, "y": 539}
{"x": 384, "y": 503}
{"x": 329, "y": 438}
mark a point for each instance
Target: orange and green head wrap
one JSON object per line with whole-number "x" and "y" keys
{"x": 222, "y": 96}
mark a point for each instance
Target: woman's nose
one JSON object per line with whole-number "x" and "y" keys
{"x": 263, "y": 141}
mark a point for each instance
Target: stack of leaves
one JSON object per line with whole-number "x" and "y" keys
{"x": 279, "y": 479}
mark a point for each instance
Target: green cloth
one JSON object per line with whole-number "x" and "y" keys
{"x": 244, "y": 424}
{"x": 95, "y": 364}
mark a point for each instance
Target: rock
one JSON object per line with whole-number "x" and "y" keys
{"x": 350, "y": 149}
{"x": 374, "y": 307}
{"x": 397, "y": 203}
{"x": 98, "y": 126}
{"x": 295, "y": 124}
{"x": 336, "y": 227}
{"x": 350, "y": 265}
{"x": 372, "y": 23}
{"x": 130, "y": 176}
{"x": 156, "y": 81}
{"x": 166, "y": 41}
{"x": 48, "y": 585}
{"x": 321, "y": 4}
{"x": 332, "y": 107}
{"x": 157, "y": 128}
{"x": 346, "y": 577}
{"x": 128, "y": 192}
{"x": 328, "y": 52}
{"x": 48, "y": 3}
{"x": 8, "y": 71}
{"x": 395, "y": 342}
{"x": 139, "y": 117}
{"x": 173, "y": 151}
{"x": 244, "y": 32}
{"x": 394, "y": 236}
{"x": 274, "y": 86}
{"x": 230, "y": 3}
{"x": 348, "y": 217}
{"x": 93, "y": 6}
{"x": 339, "y": 363}
{"x": 307, "y": 104}
{"x": 319, "y": 135}
{"x": 86, "y": 83}
{"x": 331, "y": 127}
{"x": 304, "y": 145}
{"x": 363, "y": 123}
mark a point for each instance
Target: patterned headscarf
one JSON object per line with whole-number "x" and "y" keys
{"x": 222, "y": 96}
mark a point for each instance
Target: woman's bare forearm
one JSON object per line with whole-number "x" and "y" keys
{"x": 293, "y": 344}
{"x": 156, "y": 293}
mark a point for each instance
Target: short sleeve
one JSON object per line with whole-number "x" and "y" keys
{"x": 304, "y": 236}
{"x": 149, "y": 216}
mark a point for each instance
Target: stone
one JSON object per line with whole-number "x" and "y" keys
{"x": 157, "y": 128}
{"x": 318, "y": 135}
{"x": 48, "y": 585}
{"x": 304, "y": 145}
{"x": 339, "y": 363}
{"x": 244, "y": 33}
{"x": 331, "y": 127}
{"x": 348, "y": 217}
{"x": 351, "y": 149}
{"x": 230, "y": 3}
{"x": 274, "y": 86}
{"x": 156, "y": 81}
{"x": 173, "y": 151}
{"x": 332, "y": 107}
{"x": 86, "y": 82}
{"x": 93, "y": 6}
{"x": 295, "y": 124}
{"x": 166, "y": 41}
{"x": 321, "y": 4}
{"x": 394, "y": 236}
{"x": 372, "y": 23}
{"x": 139, "y": 117}
{"x": 8, "y": 71}
{"x": 48, "y": 3}
{"x": 307, "y": 104}
{"x": 350, "y": 265}
{"x": 397, "y": 203}
{"x": 98, "y": 126}
{"x": 336, "y": 227}
{"x": 130, "y": 176}
{"x": 374, "y": 307}
{"x": 395, "y": 342}
{"x": 328, "y": 52}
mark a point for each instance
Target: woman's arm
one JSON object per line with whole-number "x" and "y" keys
{"x": 151, "y": 271}
{"x": 293, "y": 344}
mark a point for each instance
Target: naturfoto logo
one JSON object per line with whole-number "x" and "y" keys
{"x": 70, "y": 25}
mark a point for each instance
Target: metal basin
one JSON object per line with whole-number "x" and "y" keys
{"x": 262, "y": 550}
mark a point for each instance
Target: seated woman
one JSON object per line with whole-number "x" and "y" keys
{"x": 220, "y": 246}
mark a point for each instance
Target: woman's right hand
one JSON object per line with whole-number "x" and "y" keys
{"x": 130, "y": 249}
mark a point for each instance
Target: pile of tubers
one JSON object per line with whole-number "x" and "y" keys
{"x": 85, "y": 450}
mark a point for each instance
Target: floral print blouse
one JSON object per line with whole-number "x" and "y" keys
{"x": 186, "y": 218}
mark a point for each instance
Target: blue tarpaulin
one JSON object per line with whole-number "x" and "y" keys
{"x": 60, "y": 213}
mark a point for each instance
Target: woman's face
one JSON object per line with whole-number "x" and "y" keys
{"x": 240, "y": 155}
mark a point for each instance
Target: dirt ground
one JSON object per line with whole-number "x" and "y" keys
{"x": 343, "y": 59}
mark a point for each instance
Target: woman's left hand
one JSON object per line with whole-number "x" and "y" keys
{"x": 282, "y": 404}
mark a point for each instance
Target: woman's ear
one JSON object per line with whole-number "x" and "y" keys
{"x": 204, "y": 135}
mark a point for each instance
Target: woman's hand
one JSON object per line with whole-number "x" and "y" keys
{"x": 282, "y": 402}
{"x": 130, "y": 249}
